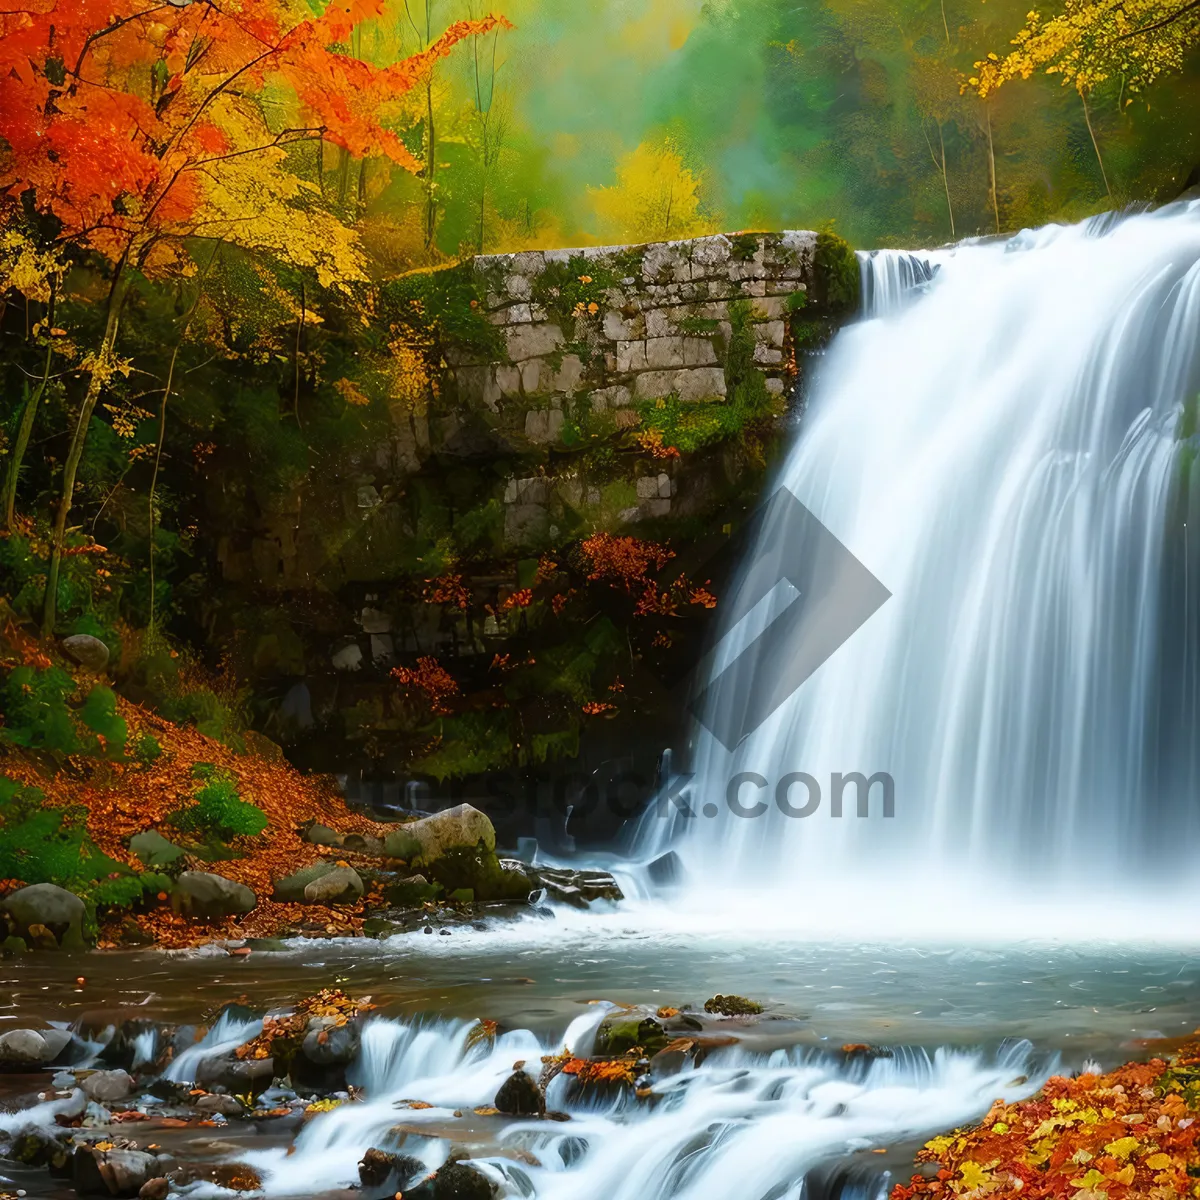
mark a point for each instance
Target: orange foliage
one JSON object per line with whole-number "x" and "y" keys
{"x": 119, "y": 118}
{"x": 448, "y": 589}
{"x": 1130, "y": 1135}
{"x": 430, "y": 677}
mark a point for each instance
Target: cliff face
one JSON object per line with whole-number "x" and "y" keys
{"x": 547, "y": 396}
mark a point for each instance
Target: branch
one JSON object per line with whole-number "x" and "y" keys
{"x": 1160, "y": 24}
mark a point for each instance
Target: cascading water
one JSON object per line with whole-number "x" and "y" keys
{"x": 1008, "y": 453}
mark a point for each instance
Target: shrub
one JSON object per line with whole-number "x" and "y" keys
{"x": 35, "y": 709}
{"x": 217, "y": 810}
{"x": 100, "y": 715}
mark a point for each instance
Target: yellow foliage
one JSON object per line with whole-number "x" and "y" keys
{"x": 26, "y": 269}
{"x": 1092, "y": 41}
{"x": 655, "y": 198}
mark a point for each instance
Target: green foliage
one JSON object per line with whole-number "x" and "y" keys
{"x": 448, "y": 302}
{"x": 36, "y": 715}
{"x": 51, "y": 845}
{"x": 217, "y": 810}
{"x": 146, "y": 748}
{"x": 567, "y": 290}
{"x": 100, "y": 715}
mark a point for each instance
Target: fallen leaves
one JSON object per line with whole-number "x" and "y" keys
{"x": 1132, "y": 1134}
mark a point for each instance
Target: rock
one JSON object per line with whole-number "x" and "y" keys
{"x": 401, "y": 844}
{"x": 106, "y": 1086}
{"x": 342, "y": 885}
{"x": 227, "y": 1106}
{"x": 291, "y": 888}
{"x": 519, "y": 1096}
{"x": 348, "y": 658}
{"x": 579, "y": 888}
{"x": 111, "y": 1172}
{"x": 235, "y": 1075}
{"x": 326, "y": 1047}
{"x": 158, "y": 1188}
{"x": 322, "y": 835}
{"x": 666, "y": 870}
{"x": 23, "y": 1050}
{"x": 89, "y": 652}
{"x": 457, "y": 1181}
{"x": 203, "y": 894}
{"x": 623, "y": 1031}
{"x": 39, "y": 1148}
{"x": 732, "y": 1006}
{"x": 359, "y": 844}
{"x": 154, "y": 850}
{"x": 46, "y": 904}
{"x": 463, "y": 868}
{"x": 380, "y": 1169}
{"x": 453, "y": 828}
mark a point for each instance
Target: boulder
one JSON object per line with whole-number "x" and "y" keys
{"x": 362, "y": 844}
{"x": 457, "y": 1181}
{"x": 202, "y": 894}
{"x": 342, "y": 885}
{"x": 111, "y": 1172}
{"x": 158, "y": 1188}
{"x": 326, "y": 1047}
{"x": 732, "y": 1006}
{"x": 382, "y": 1172}
{"x": 291, "y": 887}
{"x": 322, "y": 835}
{"x": 23, "y": 1050}
{"x": 154, "y": 850}
{"x": 621, "y": 1032}
{"x": 519, "y": 1096}
{"x": 89, "y": 652}
{"x": 478, "y": 870}
{"x": 411, "y": 891}
{"x": 401, "y": 844}
{"x": 460, "y": 826}
{"x": 237, "y": 1076}
{"x": 105, "y": 1087}
{"x": 46, "y": 904}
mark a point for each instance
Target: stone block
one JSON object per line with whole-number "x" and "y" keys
{"x": 532, "y": 341}
{"x": 664, "y": 352}
{"x": 691, "y": 383}
{"x": 543, "y": 425}
{"x": 631, "y": 356}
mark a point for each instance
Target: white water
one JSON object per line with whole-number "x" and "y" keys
{"x": 999, "y": 452}
{"x": 741, "y": 1125}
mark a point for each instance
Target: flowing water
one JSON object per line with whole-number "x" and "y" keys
{"x": 1006, "y": 442}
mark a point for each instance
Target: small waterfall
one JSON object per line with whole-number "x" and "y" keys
{"x": 1006, "y": 442}
{"x": 741, "y": 1123}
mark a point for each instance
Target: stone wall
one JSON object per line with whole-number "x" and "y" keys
{"x": 652, "y": 325}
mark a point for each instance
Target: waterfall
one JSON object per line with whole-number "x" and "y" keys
{"x": 1007, "y": 442}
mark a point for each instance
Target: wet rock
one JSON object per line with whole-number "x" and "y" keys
{"x": 579, "y": 888}
{"x": 203, "y": 894}
{"x": 454, "y": 1181}
{"x": 235, "y": 1075}
{"x": 39, "y": 1148}
{"x": 104, "y": 1087}
{"x": 340, "y": 1044}
{"x": 226, "y": 1106}
{"x": 322, "y": 835}
{"x": 380, "y": 1171}
{"x": 154, "y": 850}
{"x": 59, "y": 911}
{"x": 111, "y": 1172}
{"x": 401, "y": 844}
{"x": 342, "y": 885}
{"x": 23, "y": 1050}
{"x": 682, "y": 1023}
{"x": 621, "y": 1032}
{"x": 666, "y": 870}
{"x": 732, "y": 1006}
{"x": 89, "y": 652}
{"x": 519, "y": 1096}
{"x": 158, "y": 1188}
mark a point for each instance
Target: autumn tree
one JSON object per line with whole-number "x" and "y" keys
{"x": 655, "y": 197}
{"x": 136, "y": 127}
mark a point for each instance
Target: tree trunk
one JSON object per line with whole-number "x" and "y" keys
{"x": 1087, "y": 116}
{"x": 992, "y": 165}
{"x": 71, "y": 468}
{"x": 25, "y": 430}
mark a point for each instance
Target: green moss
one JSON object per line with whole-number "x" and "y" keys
{"x": 836, "y": 273}
{"x": 795, "y": 302}
{"x": 698, "y": 326}
{"x": 744, "y": 246}
{"x": 567, "y": 290}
